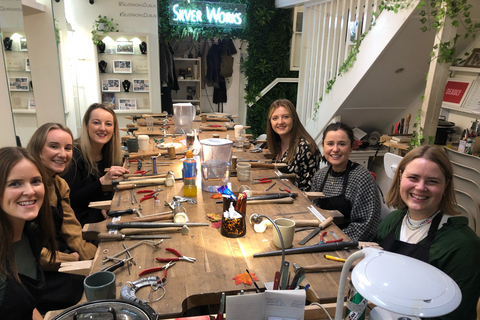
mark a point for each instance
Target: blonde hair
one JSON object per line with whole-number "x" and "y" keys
{"x": 298, "y": 132}
{"x": 436, "y": 155}
{"x": 111, "y": 151}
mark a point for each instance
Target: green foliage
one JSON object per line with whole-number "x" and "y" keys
{"x": 268, "y": 32}
{"x": 417, "y": 133}
{"x": 109, "y": 26}
{"x": 168, "y": 32}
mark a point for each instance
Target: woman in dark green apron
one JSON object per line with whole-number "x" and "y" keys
{"x": 348, "y": 187}
{"x": 427, "y": 227}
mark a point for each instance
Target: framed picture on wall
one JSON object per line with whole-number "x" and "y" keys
{"x": 473, "y": 60}
{"x": 140, "y": 85}
{"x": 122, "y": 66}
{"x": 111, "y": 85}
{"x": 27, "y": 64}
{"x": 455, "y": 92}
{"x": 31, "y": 104}
{"x": 124, "y": 47}
{"x": 23, "y": 44}
{"x": 127, "y": 104}
{"x": 18, "y": 84}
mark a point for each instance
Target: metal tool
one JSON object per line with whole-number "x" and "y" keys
{"x": 179, "y": 257}
{"x": 312, "y": 249}
{"x": 116, "y": 265}
{"x": 322, "y": 238}
{"x": 121, "y": 225}
{"x": 119, "y": 236}
{"x": 325, "y": 223}
{"x": 119, "y": 198}
{"x": 335, "y": 235}
{"x": 262, "y": 180}
{"x": 128, "y": 253}
{"x": 316, "y": 213}
{"x": 268, "y": 189}
{"x": 164, "y": 268}
{"x": 295, "y": 281}
{"x": 154, "y": 243}
{"x": 284, "y": 275}
{"x": 118, "y": 213}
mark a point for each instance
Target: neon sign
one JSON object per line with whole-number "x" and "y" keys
{"x": 219, "y": 14}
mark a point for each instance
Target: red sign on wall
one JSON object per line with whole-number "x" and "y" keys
{"x": 455, "y": 91}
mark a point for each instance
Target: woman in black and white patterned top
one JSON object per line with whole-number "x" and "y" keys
{"x": 348, "y": 187}
{"x": 289, "y": 142}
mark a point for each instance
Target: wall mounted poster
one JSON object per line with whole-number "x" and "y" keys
{"x": 122, "y": 66}
{"x": 140, "y": 85}
{"x": 18, "y": 84}
{"x": 111, "y": 85}
{"x": 455, "y": 91}
{"x": 127, "y": 104}
{"x": 124, "y": 47}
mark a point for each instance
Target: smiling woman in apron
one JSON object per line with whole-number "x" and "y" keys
{"x": 348, "y": 187}
{"x": 426, "y": 226}
{"x": 53, "y": 144}
{"x": 25, "y": 226}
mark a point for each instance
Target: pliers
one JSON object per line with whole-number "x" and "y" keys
{"x": 179, "y": 256}
{"x": 164, "y": 268}
{"x": 149, "y": 194}
{"x": 262, "y": 180}
{"x": 142, "y": 172}
{"x": 285, "y": 189}
{"x": 322, "y": 240}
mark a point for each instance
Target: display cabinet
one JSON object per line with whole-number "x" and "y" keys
{"x": 189, "y": 81}
{"x": 19, "y": 80}
{"x": 124, "y": 74}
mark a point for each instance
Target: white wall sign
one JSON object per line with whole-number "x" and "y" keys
{"x": 203, "y": 13}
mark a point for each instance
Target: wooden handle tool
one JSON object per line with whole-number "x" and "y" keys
{"x": 151, "y": 231}
{"x": 306, "y": 223}
{"x": 407, "y": 123}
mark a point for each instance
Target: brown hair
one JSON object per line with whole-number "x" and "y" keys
{"x": 436, "y": 155}
{"x": 298, "y": 132}
{"x": 9, "y": 157}
{"x": 112, "y": 150}
{"x": 37, "y": 142}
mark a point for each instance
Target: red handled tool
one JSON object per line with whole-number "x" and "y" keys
{"x": 149, "y": 194}
{"x": 178, "y": 258}
{"x": 142, "y": 172}
{"x": 322, "y": 240}
{"x": 164, "y": 268}
{"x": 262, "y": 180}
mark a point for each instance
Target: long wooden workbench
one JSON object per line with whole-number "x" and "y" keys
{"x": 218, "y": 258}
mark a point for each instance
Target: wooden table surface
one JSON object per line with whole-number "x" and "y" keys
{"x": 218, "y": 258}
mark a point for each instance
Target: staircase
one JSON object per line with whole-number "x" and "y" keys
{"x": 387, "y": 77}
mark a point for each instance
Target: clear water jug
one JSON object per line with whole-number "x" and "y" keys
{"x": 216, "y": 158}
{"x": 183, "y": 116}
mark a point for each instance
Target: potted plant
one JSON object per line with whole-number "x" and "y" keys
{"x": 103, "y": 24}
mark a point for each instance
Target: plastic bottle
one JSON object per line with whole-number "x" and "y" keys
{"x": 189, "y": 175}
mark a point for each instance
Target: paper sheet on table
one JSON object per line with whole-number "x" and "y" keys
{"x": 271, "y": 303}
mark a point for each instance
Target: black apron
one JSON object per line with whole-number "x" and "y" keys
{"x": 21, "y": 297}
{"x": 417, "y": 251}
{"x": 339, "y": 202}
{"x": 57, "y": 214}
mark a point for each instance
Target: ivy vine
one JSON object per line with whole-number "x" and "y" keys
{"x": 268, "y": 32}
{"x": 433, "y": 13}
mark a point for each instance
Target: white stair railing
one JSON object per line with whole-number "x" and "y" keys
{"x": 326, "y": 45}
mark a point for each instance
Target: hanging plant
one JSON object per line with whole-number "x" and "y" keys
{"x": 103, "y": 24}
